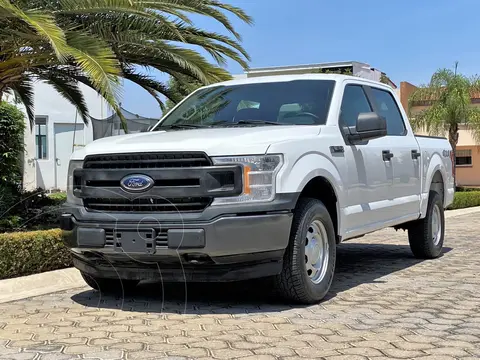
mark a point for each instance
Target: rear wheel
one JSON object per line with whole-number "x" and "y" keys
{"x": 309, "y": 260}
{"x": 109, "y": 285}
{"x": 426, "y": 235}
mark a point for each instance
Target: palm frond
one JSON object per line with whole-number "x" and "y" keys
{"x": 23, "y": 90}
{"x": 150, "y": 83}
{"x": 43, "y": 23}
{"x": 205, "y": 7}
{"x": 98, "y": 62}
{"x": 473, "y": 123}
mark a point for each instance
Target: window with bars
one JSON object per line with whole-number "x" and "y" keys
{"x": 41, "y": 137}
{"x": 463, "y": 157}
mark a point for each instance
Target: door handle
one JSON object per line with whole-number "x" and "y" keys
{"x": 415, "y": 154}
{"x": 387, "y": 155}
{"x": 57, "y": 160}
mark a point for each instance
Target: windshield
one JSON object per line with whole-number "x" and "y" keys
{"x": 299, "y": 102}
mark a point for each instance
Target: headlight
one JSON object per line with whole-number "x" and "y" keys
{"x": 259, "y": 176}
{"x": 72, "y": 199}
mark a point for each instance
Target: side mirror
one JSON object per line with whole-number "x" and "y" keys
{"x": 369, "y": 126}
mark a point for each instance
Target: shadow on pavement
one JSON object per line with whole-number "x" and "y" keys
{"x": 356, "y": 264}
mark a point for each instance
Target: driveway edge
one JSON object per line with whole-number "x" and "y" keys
{"x": 460, "y": 212}
{"x": 39, "y": 284}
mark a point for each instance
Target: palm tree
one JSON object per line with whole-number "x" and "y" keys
{"x": 448, "y": 96}
{"x": 99, "y": 42}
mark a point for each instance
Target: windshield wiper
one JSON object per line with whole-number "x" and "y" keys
{"x": 259, "y": 122}
{"x": 182, "y": 126}
{"x": 244, "y": 122}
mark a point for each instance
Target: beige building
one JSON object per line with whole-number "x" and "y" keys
{"x": 468, "y": 150}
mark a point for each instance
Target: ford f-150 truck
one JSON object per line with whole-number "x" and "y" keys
{"x": 256, "y": 178}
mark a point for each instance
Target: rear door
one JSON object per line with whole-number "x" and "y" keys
{"x": 404, "y": 196}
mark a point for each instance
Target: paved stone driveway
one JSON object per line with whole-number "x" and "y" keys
{"x": 384, "y": 304}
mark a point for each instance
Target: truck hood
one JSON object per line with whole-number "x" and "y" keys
{"x": 214, "y": 142}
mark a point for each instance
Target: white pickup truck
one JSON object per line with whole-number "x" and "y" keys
{"x": 260, "y": 177}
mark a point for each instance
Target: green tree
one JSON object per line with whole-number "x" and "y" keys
{"x": 448, "y": 96}
{"x": 341, "y": 71}
{"x": 384, "y": 79}
{"x": 12, "y": 127}
{"x": 98, "y": 42}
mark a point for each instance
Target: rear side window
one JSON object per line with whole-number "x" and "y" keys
{"x": 387, "y": 107}
{"x": 354, "y": 102}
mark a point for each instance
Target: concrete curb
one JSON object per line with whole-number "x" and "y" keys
{"x": 40, "y": 284}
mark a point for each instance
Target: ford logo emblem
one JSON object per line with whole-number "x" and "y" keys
{"x": 136, "y": 183}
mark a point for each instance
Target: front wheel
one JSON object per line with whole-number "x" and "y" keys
{"x": 426, "y": 235}
{"x": 309, "y": 260}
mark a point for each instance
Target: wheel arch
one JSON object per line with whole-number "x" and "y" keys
{"x": 438, "y": 184}
{"x": 310, "y": 175}
{"x": 435, "y": 180}
{"x": 320, "y": 188}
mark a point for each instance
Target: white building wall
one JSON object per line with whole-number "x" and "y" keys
{"x": 43, "y": 172}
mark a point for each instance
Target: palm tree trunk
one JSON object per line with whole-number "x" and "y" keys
{"x": 453, "y": 140}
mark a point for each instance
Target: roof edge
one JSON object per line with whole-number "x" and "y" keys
{"x": 304, "y": 66}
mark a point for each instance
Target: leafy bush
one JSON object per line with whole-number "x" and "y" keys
{"x": 465, "y": 188}
{"x": 32, "y": 210}
{"x": 12, "y": 128}
{"x": 9, "y": 197}
{"x": 26, "y": 253}
{"x": 465, "y": 200}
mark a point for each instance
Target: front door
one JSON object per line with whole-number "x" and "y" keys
{"x": 370, "y": 175}
{"x": 68, "y": 137}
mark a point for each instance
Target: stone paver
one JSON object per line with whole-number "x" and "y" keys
{"x": 384, "y": 304}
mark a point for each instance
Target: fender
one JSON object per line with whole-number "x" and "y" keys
{"x": 430, "y": 167}
{"x": 294, "y": 177}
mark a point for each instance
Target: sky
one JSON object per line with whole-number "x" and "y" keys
{"x": 407, "y": 39}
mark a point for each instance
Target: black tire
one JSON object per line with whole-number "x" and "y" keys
{"x": 109, "y": 285}
{"x": 420, "y": 235}
{"x": 293, "y": 283}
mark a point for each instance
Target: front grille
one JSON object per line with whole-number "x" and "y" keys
{"x": 161, "y": 239}
{"x": 146, "y": 161}
{"x": 148, "y": 205}
{"x": 149, "y": 162}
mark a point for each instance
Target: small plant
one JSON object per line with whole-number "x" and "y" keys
{"x": 59, "y": 197}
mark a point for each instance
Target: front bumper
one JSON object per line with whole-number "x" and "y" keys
{"x": 229, "y": 246}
